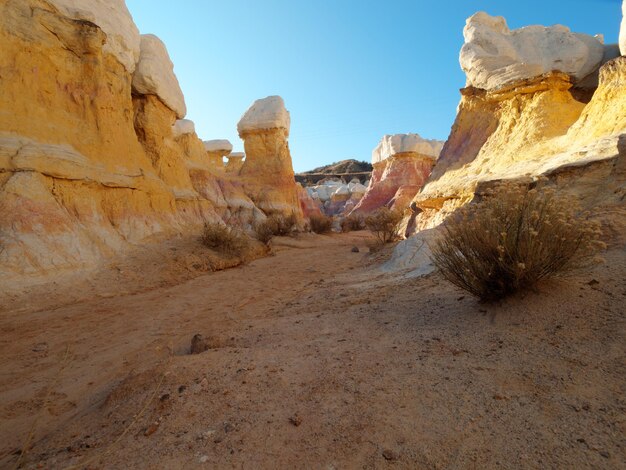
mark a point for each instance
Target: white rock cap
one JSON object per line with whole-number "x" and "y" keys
{"x": 236, "y": 155}
{"x": 114, "y": 19}
{"x": 391, "y": 145}
{"x": 154, "y": 75}
{"x": 494, "y": 55}
{"x": 266, "y": 113}
{"x": 622, "y": 31}
{"x": 182, "y": 127}
{"x": 218, "y": 145}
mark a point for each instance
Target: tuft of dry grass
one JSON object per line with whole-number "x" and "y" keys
{"x": 321, "y": 223}
{"x": 512, "y": 239}
{"x": 352, "y": 223}
{"x": 384, "y": 224}
{"x": 224, "y": 239}
{"x": 264, "y": 231}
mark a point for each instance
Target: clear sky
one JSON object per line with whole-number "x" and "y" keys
{"x": 349, "y": 71}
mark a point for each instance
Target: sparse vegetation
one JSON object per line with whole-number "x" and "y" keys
{"x": 264, "y": 231}
{"x": 321, "y": 223}
{"x": 283, "y": 225}
{"x": 384, "y": 224}
{"x": 224, "y": 239}
{"x": 512, "y": 239}
{"x": 276, "y": 225}
{"x": 352, "y": 223}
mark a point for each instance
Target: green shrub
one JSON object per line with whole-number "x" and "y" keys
{"x": 384, "y": 224}
{"x": 321, "y": 223}
{"x": 512, "y": 239}
{"x": 224, "y": 239}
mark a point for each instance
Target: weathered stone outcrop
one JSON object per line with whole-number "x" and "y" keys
{"x": 216, "y": 150}
{"x": 235, "y": 162}
{"x": 267, "y": 173}
{"x": 530, "y": 128}
{"x": 494, "y": 56}
{"x": 154, "y": 75}
{"x": 402, "y": 163}
{"x": 89, "y": 163}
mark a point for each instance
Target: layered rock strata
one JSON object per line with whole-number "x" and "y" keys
{"x": 267, "y": 173}
{"x": 531, "y": 127}
{"x": 402, "y": 163}
{"x": 94, "y": 155}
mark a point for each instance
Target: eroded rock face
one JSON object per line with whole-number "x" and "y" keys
{"x": 216, "y": 150}
{"x": 494, "y": 56}
{"x": 121, "y": 35}
{"x": 87, "y": 167}
{"x": 391, "y": 145}
{"x": 267, "y": 173}
{"x": 402, "y": 163}
{"x": 154, "y": 75}
{"x": 530, "y": 129}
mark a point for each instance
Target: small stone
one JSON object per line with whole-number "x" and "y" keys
{"x": 593, "y": 282}
{"x": 389, "y": 454}
{"x": 150, "y": 430}
{"x": 204, "y": 459}
{"x": 355, "y": 249}
{"x": 198, "y": 344}
{"x": 295, "y": 420}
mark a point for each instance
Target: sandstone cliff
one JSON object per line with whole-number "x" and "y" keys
{"x": 402, "y": 163}
{"x": 525, "y": 125}
{"x": 94, "y": 154}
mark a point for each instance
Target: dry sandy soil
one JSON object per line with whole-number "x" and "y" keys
{"x": 317, "y": 360}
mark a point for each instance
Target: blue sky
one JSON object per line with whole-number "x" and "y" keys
{"x": 350, "y": 71}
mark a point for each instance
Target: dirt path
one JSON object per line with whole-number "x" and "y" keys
{"x": 320, "y": 361}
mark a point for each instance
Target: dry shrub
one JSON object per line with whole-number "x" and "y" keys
{"x": 321, "y": 223}
{"x": 283, "y": 225}
{"x": 224, "y": 239}
{"x": 512, "y": 239}
{"x": 265, "y": 230}
{"x": 384, "y": 224}
{"x": 352, "y": 223}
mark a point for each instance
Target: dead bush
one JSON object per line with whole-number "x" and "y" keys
{"x": 352, "y": 223}
{"x": 224, "y": 239}
{"x": 283, "y": 225}
{"x": 321, "y": 223}
{"x": 264, "y": 231}
{"x": 384, "y": 224}
{"x": 512, "y": 239}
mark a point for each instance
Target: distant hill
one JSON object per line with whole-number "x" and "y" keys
{"x": 342, "y": 167}
{"x": 345, "y": 169}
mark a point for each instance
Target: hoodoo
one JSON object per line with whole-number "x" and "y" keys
{"x": 518, "y": 117}
{"x": 267, "y": 173}
{"x": 402, "y": 163}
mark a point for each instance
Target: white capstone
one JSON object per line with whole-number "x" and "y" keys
{"x": 116, "y": 22}
{"x": 218, "y": 145}
{"x": 154, "y": 75}
{"x": 182, "y": 127}
{"x": 391, "y": 145}
{"x": 234, "y": 155}
{"x": 494, "y": 56}
{"x": 622, "y": 31}
{"x": 266, "y": 113}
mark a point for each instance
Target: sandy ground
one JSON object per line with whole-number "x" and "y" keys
{"x": 317, "y": 360}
